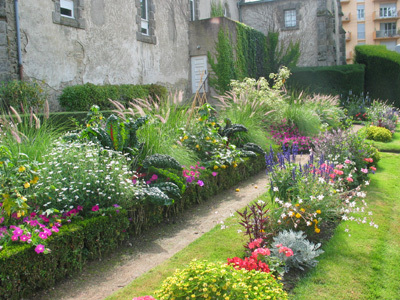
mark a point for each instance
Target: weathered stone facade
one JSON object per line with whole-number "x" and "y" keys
{"x": 8, "y": 46}
{"x": 315, "y": 28}
{"x": 104, "y": 43}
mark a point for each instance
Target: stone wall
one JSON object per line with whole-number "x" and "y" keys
{"x": 315, "y": 27}
{"x": 8, "y": 44}
{"x": 107, "y": 50}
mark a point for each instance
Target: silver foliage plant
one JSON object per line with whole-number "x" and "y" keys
{"x": 304, "y": 251}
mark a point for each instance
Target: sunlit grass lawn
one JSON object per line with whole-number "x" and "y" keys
{"x": 365, "y": 265}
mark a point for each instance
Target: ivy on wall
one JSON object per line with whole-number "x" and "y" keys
{"x": 253, "y": 55}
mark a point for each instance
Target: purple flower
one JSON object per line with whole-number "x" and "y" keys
{"x": 79, "y": 208}
{"x": 1, "y": 220}
{"x": 134, "y": 181}
{"x": 95, "y": 208}
{"x": 43, "y": 235}
{"x": 116, "y": 205}
{"x": 189, "y": 179}
{"x": 39, "y": 248}
{"x": 200, "y": 183}
{"x": 214, "y": 174}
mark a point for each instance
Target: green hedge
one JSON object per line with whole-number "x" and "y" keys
{"x": 333, "y": 80}
{"x": 382, "y": 72}
{"x": 22, "y": 271}
{"x": 82, "y": 97}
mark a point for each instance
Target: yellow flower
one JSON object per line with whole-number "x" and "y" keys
{"x": 100, "y": 118}
{"x": 18, "y": 214}
{"x": 214, "y": 141}
{"x": 34, "y": 180}
{"x": 88, "y": 125}
{"x": 302, "y": 209}
{"x": 207, "y": 138}
{"x": 235, "y": 165}
{"x": 317, "y": 230}
{"x": 26, "y": 185}
{"x": 215, "y": 167}
{"x": 298, "y": 216}
{"x": 197, "y": 146}
{"x": 21, "y": 169}
{"x": 237, "y": 190}
{"x": 318, "y": 211}
{"x": 316, "y": 221}
{"x": 213, "y": 123}
{"x": 185, "y": 137}
{"x": 297, "y": 205}
{"x": 1, "y": 163}
{"x": 223, "y": 167}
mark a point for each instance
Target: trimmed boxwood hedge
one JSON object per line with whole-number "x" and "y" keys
{"x": 23, "y": 272}
{"x": 82, "y": 97}
{"x": 332, "y": 80}
{"x": 382, "y": 72}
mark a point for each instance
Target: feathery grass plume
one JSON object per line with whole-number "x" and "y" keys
{"x": 16, "y": 114}
{"x": 46, "y": 110}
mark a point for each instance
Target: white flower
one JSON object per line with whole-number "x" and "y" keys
{"x": 367, "y": 183}
{"x": 320, "y": 197}
{"x": 275, "y": 189}
{"x": 223, "y": 227}
{"x": 283, "y": 216}
{"x": 260, "y": 202}
{"x": 291, "y": 214}
{"x": 239, "y": 231}
{"x": 321, "y": 180}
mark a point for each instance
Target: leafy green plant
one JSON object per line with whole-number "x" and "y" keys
{"x": 303, "y": 117}
{"x": 379, "y": 134}
{"x": 217, "y": 8}
{"x": 220, "y": 281}
{"x": 304, "y": 251}
{"x": 22, "y": 95}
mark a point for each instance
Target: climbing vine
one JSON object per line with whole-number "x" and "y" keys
{"x": 254, "y": 56}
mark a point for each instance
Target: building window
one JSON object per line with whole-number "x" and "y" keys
{"x": 192, "y": 10}
{"x": 290, "y": 18}
{"x": 145, "y": 21}
{"x": 388, "y": 29}
{"x": 68, "y": 13}
{"x": 144, "y": 9}
{"x": 361, "y": 12}
{"x": 387, "y": 10}
{"x": 361, "y": 31}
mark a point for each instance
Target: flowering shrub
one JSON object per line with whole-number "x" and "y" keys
{"x": 384, "y": 115}
{"x": 144, "y": 298}
{"x": 205, "y": 280}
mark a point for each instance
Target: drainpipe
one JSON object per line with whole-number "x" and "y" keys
{"x": 20, "y": 66}
{"x": 337, "y": 32}
{"x": 239, "y": 6}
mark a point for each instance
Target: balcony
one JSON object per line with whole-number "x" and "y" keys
{"x": 346, "y": 17}
{"x": 349, "y": 55}
{"x": 344, "y": 1}
{"x": 386, "y": 34}
{"x": 348, "y": 36}
{"x": 395, "y": 16}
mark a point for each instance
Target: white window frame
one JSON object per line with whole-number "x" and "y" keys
{"x": 290, "y": 16}
{"x": 68, "y": 5}
{"x": 361, "y": 12}
{"x": 387, "y": 10}
{"x": 145, "y": 17}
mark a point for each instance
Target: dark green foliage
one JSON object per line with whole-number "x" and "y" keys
{"x": 169, "y": 188}
{"x": 230, "y": 129}
{"x": 161, "y": 161}
{"x": 253, "y": 147}
{"x": 22, "y": 95}
{"x": 168, "y": 174}
{"x": 224, "y": 68}
{"x": 156, "y": 196}
{"x": 23, "y": 271}
{"x": 82, "y": 97}
{"x": 333, "y": 80}
{"x": 382, "y": 72}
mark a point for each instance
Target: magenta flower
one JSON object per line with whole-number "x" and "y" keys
{"x": 1, "y": 220}
{"x": 43, "y": 235}
{"x": 134, "y": 181}
{"x": 24, "y": 238}
{"x": 95, "y": 208}
{"x": 214, "y": 174}
{"x": 39, "y": 248}
{"x": 14, "y": 238}
{"x": 79, "y": 208}
{"x": 154, "y": 177}
{"x": 55, "y": 229}
{"x": 200, "y": 183}
{"x": 18, "y": 231}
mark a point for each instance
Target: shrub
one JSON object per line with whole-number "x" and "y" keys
{"x": 304, "y": 251}
{"x": 82, "y": 97}
{"x": 22, "y": 95}
{"x": 332, "y": 80}
{"x": 220, "y": 281}
{"x": 379, "y": 134}
{"x": 382, "y": 72}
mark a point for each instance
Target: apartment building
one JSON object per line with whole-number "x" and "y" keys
{"x": 372, "y": 22}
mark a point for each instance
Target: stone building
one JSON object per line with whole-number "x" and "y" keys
{"x": 68, "y": 42}
{"x": 315, "y": 23}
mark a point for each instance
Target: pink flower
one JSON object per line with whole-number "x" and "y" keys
{"x": 364, "y": 170}
{"x": 55, "y": 229}
{"x": 347, "y": 161}
{"x": 43, "y": 235}
{"x": 262, "y": 251}
{"x": 39, "y": 248}
{"x": 14, "y": 238}
{"x": 79, "y": 208}
{"x": 95, "y": 208}
{"x": 144, "y": 298}
{"x": 349, "y": 179}
{"x": 1, "y": 220}
{"x": 372, "y": 168}
{"x": 278, "y": 245}
{"x": 154, "y": 177}
{"x": 134, "y": 181}
{"x": 18, "y": 231}
{"x": 24, "y": 238}
{"x": 200, "y": 183}
{"x": 213, "y": 174}
{"x": 287, "y": 251}
{"x": 255, "y": 243}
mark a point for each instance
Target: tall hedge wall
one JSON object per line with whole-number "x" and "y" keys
{"x": 334, "y": 80}
{"x": 382, "y": 72}
{"x": 82, "y": 97}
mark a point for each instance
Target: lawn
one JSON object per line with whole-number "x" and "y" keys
{"x": 393, "y": 146}
{"x": 365, "y": 265}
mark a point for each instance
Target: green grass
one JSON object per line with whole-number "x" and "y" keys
{"x": 393, "y": 146}
{"x": 365, "y": 265}
{"x": 215, "y": 245}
